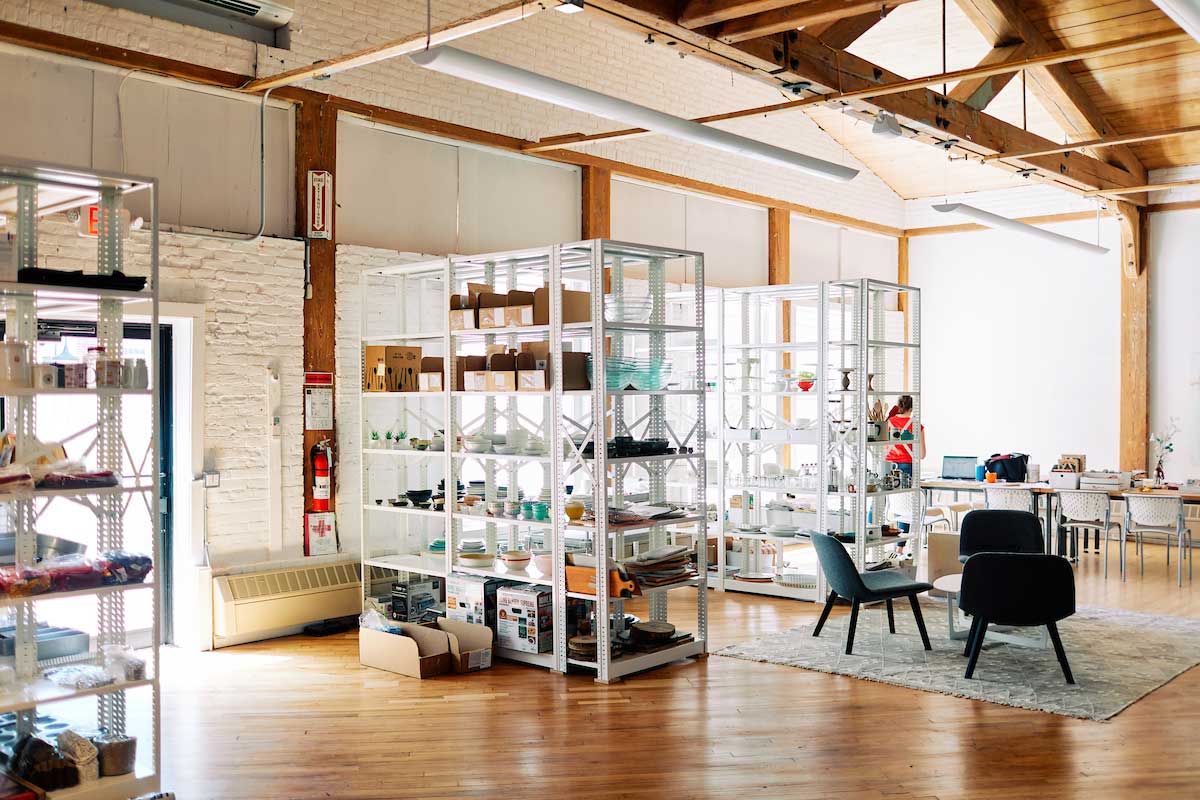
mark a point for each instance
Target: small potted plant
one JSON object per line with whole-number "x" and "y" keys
{"x": 400, "y": 438}
{"x": 1161, "y": 445}
{"x": 374, "y": 438}
{"x": 805, "y": 380}
{"x": 389, "y": 444}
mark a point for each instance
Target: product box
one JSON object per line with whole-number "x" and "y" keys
{"x": 432, "y": 370}
{"x": 492, "y": 307}
{"x": 576, "y": 306}
{"x": 419, "y": 652}
{"x": 464, "y": 308}
{"x": 404, "y": 365}
{"x": 471, "y": 598}
{"x": 520, "y": 308}
{"x": 467, "y": 364}
{"x": 524, "y": 618}
{"x": 502, "y": 373}
{"x": 1064, "y": 480}
{"x": 534, "y": 371}
{"x": 320, "y": 534}
{"x": 470, "y": 645}
{"x": 410, "y": 599}
{"x": 375, "y": 368}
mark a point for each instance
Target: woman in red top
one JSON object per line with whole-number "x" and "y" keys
{"x": 900, "y": 456}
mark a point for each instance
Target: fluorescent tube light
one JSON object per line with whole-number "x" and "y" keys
{"x": 1184, "y": 13}
{"x": 471, "y": 67}
{"x": 996, "y": 221}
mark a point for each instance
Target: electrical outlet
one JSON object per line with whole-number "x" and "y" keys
{"x": 212, "y": 479}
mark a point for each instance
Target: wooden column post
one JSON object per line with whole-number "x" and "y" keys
{"x": 779, "y": 272}
{"x": 596, "y": 188}
{"x": 902, "y": 298}
{"x": 1133, "y": 375}
{"x": 316, "y": 149}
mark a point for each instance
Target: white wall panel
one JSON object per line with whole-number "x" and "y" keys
{"x": 1020, "y": 345}
{"x": 394, "y": 191}
{"x": 733, "y": 239}
{"x": 868, "y": 256}
{"x": 47, "y": 111}
{"x": 510, "y": 202}
{"x": 648, "y": 215}
{"x": 815, "y": 250}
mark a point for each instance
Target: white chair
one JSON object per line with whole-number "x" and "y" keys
{"x": 1149, "y": 513}
{"x": 1010, "y": 498}
{"x": 1089, "y": 510}
{"x": 932, "y": 516}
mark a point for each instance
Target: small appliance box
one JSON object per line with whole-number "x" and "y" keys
{"x": 525, "y": 620}
{"x": 471, "y": 598}
{"x": 410, "y": 599}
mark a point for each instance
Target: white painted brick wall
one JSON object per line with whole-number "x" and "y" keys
{"x": 253, "y": 296}
{"x": 581, "y": 48}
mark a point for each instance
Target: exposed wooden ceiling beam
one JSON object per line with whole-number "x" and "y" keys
{"x": 845, "y": 32}
{"x": 1145, "y": 187}
{"x": 980, "y": 92}
{"x": 1055, "y": 85}
{"x": 797, "y": 56}
{"x": 797, "y": 15}
{"x": 465, "y": 26}
{"x": 879, "y": 90}
{"x": 698, "y": 13}
{"x": 1105, "y": 141}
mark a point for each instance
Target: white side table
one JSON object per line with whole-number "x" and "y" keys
{"x": 951, "y": 585}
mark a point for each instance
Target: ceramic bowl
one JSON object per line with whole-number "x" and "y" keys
{"x": 477, "y": 445}
{"x": 516, "y": 559}
{"x": 476, "y": 560}
{"x": 504, "y": 449}
{"x": 419, "y": 495}
{"x": 544, "y": 561}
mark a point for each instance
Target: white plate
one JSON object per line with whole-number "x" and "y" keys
{"x": 750, "y": 528}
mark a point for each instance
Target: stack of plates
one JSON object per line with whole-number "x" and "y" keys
{"x": 756, "y": 577}
{"x": 783, "y": 530}
{"x": 749, "y": 528}
{"x": 469, "y": 546}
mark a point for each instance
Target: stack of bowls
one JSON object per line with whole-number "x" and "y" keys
{"x": 627, "y": 309}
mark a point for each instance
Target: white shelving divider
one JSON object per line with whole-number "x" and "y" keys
{"x": 27, "y": 192}
{"x": 566, "y": 421}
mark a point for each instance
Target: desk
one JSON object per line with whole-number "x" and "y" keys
{"x": 1190, "y": 496}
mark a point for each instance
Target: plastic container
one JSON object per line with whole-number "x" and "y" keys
{"x": 118, "y": 754}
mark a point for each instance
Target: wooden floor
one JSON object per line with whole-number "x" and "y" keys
{"x": 299, "y": 718}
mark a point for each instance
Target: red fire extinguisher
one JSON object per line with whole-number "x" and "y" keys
{"x": 321, "y": 456}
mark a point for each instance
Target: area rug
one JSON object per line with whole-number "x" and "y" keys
{"x": 1117, "y": 657}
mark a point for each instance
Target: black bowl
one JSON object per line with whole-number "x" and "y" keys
{"x": 419, "y": 495}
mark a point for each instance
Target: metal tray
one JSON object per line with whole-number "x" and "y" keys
{"x": 51, "y": 642}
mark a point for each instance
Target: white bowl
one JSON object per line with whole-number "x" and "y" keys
{"x": 477, "y": 445}
{"x": 504, "y": 449}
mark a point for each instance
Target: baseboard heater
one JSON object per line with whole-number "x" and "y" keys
{"x": 261, "y": 605}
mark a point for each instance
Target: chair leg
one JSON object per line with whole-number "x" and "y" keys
{"x": 853, "y": 625}
{"x": 916, "y": 607}
{"x": 971, "y": 636}
{"x": 825, "y": 613}
{"x": 1105, "y": 551}
{"x": 976, "y": 647}
{"x": 1058, "y": 651}
{"x": 891, "y": 617}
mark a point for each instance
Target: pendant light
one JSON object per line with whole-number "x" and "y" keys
{"x": 1004, "y": 223}
{"x": 497, "y": 75}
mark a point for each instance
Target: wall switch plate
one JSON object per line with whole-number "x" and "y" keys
{"x": 212, "y": 479}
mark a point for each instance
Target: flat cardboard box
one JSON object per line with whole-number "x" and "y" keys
{"x": 404, "y": 365}
{"x": 374, "y": 357}
{"x": 470, "y": 645}
{"x": 492, "y": 307}
{"x": 520, "y": 308}
{"x": 421, "y": 652}
{"x": 576, "y": 306}
{"x": 432, "y": 370}
{"x": 524, "y": 618}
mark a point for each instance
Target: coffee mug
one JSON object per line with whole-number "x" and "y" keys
{"x": 15, "y": 367}
{"x": 991, "y": 477}
{"x": 108, "y": 373}
{"x": 45, "y": 376}
{"x": 980, "y": 472}
{"x": 74, "y": 376}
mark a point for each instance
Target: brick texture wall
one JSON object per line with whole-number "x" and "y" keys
{"x": 582, "y": 48}
{"x": 253, "y": 296}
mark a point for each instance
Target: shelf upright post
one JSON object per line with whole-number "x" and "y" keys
{"x": 555, "y": 429}
{"x": 617, "y": 404}
{"x": 657, "y": 428}
{"x": 702, "y": 462}
{"x": 156, "y": 456}
{"x": 451, "y": 421}
{"x": 823, "y": 424}
{"x": 702, "y": 385}
{"x": 600, "y": 466}
{"x": 364, "y": 440}
{"x": 862, "y": 502}
{"x": 489, "y": 427}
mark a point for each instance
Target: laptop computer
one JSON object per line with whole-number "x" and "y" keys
{"x": 959, "y": 467}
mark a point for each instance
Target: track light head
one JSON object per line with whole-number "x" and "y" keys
{"x": 887, "y": 125}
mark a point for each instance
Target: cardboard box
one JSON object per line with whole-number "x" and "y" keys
{"x": 502, "y": 372}
{"x": 534, "y": 371}
{"x": 492, "y": 307}
{"x": 524, "y": 618}
{"x": 576, "y": 306}
{"x": 404, "y": 365}
{"x": 468, "y": 364}
{"x": 470, "y": 645}
{"x": 432, "y": 370}
{"x": 410, "y": 599}
{"x": 463, "y": 319}
{"x": 472, "y": 598}
{"x": 520, "y": 308}
{"x": 375, "y": 368}
{"x": 464, "y": 308}
{"x": 420, "y": 652}
{"x": 476, "y": 380}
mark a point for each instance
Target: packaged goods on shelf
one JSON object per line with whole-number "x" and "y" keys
{"x": 432, "y": 369}
{"x": 576, "y": 306}
{"x": 471, "y": 598}
{"x": 123, "y": 566}
{"x": 492, "y": 308}
{"x": 464, "y": 308}
{"x": 519, "y": 310}
{"x": 524, "y": 618}
{"x": 412, "y": 599}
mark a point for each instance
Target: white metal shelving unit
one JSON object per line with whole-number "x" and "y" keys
{"x": 770, "y": 333}
{"x": 29, "y": 192}
{"x": 567, "y": 422}
{"x": 858, "y": 343}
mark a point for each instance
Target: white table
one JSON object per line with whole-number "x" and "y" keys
{"x": 951, "y": 585}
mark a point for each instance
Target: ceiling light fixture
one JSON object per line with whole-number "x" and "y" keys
{"x": 1184, "y": 13}
{"x": 478, "y": 69}
{"x": 569, "y": 6}
{"x": 996, "y": 221}
{"x": 887, "y": 125}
